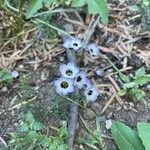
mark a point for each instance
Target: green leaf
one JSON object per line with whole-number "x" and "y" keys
{"x": 139, "y": 95}
{"x": 134, "y": 8}
{"x": 29, "y": 117}
{"x": 35, "y": 5}
{"x": 122, "y": 92}
{"x": 24, "y": 127}
{"x": 129, "y": 85}
{"x": 144, "y": 134}
{"x": 142, "y": 80}
{"x": 124, "y": 77}
{"x": 38, "y": 126}
{"x": 140, "y": 72}
{"x": 78, "y": 3}
{"x": 125, "y": 137}
{"x": 94, "y": 7}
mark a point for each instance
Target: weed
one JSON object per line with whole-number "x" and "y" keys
{"x": 29, "y": 136}
{"x": 94, "y": 138}
{"x": 133, "y": 86}
{"x": 25, "y": 89}
{"x": 5, "y": 76}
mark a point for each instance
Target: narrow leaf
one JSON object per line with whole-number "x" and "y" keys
{"x": 35, "y": 5}
{"x": 125, "y": 137}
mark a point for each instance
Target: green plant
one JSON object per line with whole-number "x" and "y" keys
{"x": 5, "y": 76}
{"x": 94, "y": 138}
{"x": 25, "y": 89}
{"x": 30, "y": 136}
{"x": 126, "y": 138}
{"x": 94, "y": 7}
{"x": 132, "y": 87}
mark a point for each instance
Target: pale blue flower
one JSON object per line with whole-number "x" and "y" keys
{"x": 69, "y": 70}
{"x": 99, "y": 72}
{"x": 91, "y": 94}
{"x": 73, "y": 43}
{"x": 93, "y": 49}
{"x": 64, "y": 86}
{"x": 87, "y": 84}
{"x": 80, "y": 79}
{"x": 14, "y": 74}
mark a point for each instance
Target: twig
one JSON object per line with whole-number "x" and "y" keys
{"x": 108, "y": 103}
{"x": 72, "y": 125}
{"x": 89, "y": 32}
{"x": 21, "y": 104}
{"x": 73, "y": 119}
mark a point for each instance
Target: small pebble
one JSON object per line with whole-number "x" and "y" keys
{"x": 108, "y": 124}
{"x": 4, "y": 89}
{"x": 89, "y": 114}
{"x": 131, "y": 104}
{"x": 109, "y": 115}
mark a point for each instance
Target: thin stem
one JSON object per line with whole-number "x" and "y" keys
{"x": 53, "y": 27}
{"x": 59, "y": 10}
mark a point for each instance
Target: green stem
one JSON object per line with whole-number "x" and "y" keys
{"x": 53, "y": 27}
{"x": 59, "y": 10}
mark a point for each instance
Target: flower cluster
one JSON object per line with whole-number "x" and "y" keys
{"x": 76, "y": 44}
{"x": 72, "y": 77}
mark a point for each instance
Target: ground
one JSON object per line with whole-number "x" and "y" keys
{"x": 37, "y": 60}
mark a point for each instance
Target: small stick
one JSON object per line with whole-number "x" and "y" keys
{"x": 72, "y": 125}
{"x": 89, "y": 32}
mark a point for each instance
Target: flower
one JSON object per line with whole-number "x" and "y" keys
{"x": 93, "y": 49}
{"x": 80, "y": 79}
{"x": 14, "y": 74}
{"x": 87, "y": 84}
{"x": 64, "y": 86}
{"x": 69, "y": 70}
{"x": 66, "y": 43}
{"x": 91, "y": 94}
{"x": 99, "y": 72}
{"x": 73, "y": 43}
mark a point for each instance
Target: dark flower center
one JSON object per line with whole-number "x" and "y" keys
{"x": 91, "y": 50}
{"x": 79, "y": 79}
{"x": 69, "y": 72}
{"x": 75, "y": 44}
{"x": 90, "y": 92}
{"x": 85, "y": 86}
{"x": 64, "y": 84}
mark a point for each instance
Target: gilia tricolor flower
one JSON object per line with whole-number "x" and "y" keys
{"x": 93, "y": 49}
{"x": 80, "y": 79}
{"x": 91, "y": 94}
{"x": 64, "y": 86}
{"x": 87, "y": 84}
{"x": 73, "y": 43}
{"x": 69, "y": 70}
